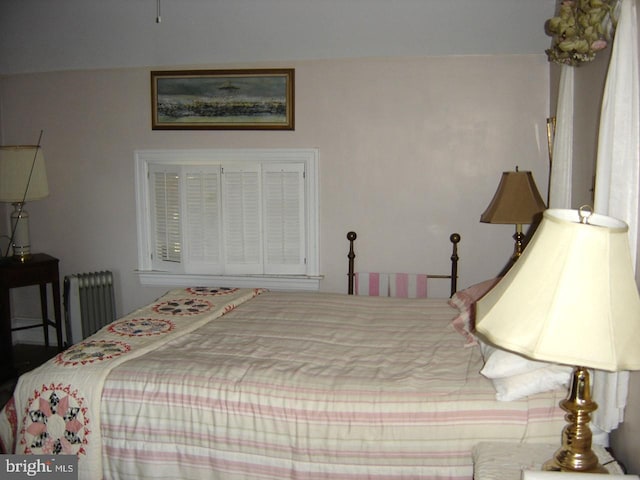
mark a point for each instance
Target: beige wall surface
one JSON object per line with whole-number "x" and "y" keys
{"x": 410, "y": 150}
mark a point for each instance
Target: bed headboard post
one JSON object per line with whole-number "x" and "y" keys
{"x": 351, "y": 236}
{"x": 455, "y": 239}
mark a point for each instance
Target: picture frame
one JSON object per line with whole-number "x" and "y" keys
{"x": 250, "y": 99}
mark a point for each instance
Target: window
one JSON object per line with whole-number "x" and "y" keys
{"x": 228, "y": 217}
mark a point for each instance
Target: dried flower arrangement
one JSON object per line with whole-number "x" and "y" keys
{"x": 579, "y": 30}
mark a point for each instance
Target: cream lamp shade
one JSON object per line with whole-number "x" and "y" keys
{"x": 571, "y": 298}
{"x": 22, "y": 166}
{"x": 23, "y": 178}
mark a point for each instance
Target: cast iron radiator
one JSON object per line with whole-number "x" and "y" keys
{"x": 89, "y": 304}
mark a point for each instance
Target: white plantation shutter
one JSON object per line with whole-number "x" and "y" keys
{"x": 202, "y": 219}
{"x": 166, "y": 216}
{"x": 225, "y": 216}
{"x": 283, "y": 195}
{"x": 242, "y": 224}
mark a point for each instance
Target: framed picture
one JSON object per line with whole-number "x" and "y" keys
{"x": 223, "y": 99}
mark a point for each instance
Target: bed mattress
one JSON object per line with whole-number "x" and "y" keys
{"x": 311, "y": 386}
{"x": 273, "y": 386}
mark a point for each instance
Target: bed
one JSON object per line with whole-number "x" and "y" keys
{"x": 223, "y": 383}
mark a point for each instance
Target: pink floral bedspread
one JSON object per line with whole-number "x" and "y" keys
{"x": 56, "y": 407}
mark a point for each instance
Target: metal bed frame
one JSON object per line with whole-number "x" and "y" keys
{"x": 454, "y": 238}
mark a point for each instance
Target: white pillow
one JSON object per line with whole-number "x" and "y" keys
{"x": 500, "y": 363}
{"x": 541, "y": 380}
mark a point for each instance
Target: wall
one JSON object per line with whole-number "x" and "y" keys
{"x": 411, "y": 149}
{"x": 589, "y": 86}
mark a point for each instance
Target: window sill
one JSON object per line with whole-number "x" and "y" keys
{"x": 273, "y": 282}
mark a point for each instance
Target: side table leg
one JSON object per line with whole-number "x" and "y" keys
{"x": 57, "y": 311}
{"x": 45, "y": 314}
{"x": 6, "y": 342}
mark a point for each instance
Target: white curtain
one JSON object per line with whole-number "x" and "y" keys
{"x": 561, "y": 167}
{"x": 618, "y": 179}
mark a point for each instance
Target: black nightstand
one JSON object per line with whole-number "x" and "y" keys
{"x": 40, "y": 269}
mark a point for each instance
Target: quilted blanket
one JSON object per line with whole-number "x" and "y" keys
{"x": 304, "y": 386}
{"x": 312, "y": 386}
{"x": 56, "y": 407}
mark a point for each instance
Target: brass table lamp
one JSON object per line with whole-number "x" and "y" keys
{"x": 23, "y": 178}
{"x": 517, "y": 202}
{"x": 570, "y": 299}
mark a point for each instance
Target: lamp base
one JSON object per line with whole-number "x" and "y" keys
{"x": 518, "y": 237}
{"x": 553, "y": 465}
{"x": 13, "y": 259}
{"x": 20, "y": 233}
{"x": 575, "y": 454}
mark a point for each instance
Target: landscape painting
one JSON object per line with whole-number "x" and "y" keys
{"x": 223, "y": 99}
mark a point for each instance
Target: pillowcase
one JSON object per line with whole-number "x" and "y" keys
{"x": 461, "y": 325}
{"x": 464, "y": 301}
{"x": 500, "y": 363}
{"x": 515, "y": 387}
{"x": 514, "y": 376}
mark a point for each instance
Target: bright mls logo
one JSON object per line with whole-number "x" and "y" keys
{"x": 53, "y": 467}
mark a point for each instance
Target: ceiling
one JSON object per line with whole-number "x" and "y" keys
{"x": 47, "y": 35}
